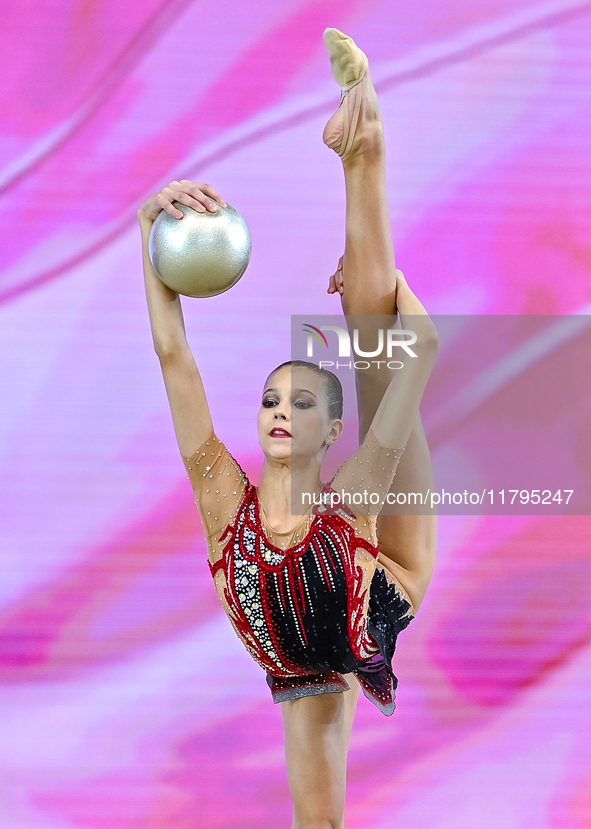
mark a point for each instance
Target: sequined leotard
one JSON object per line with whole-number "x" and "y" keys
{"x": 313, "y": 604}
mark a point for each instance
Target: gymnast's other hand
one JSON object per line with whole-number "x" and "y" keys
{"x": 335, "y": 283}
{"x": 201, "y": 197}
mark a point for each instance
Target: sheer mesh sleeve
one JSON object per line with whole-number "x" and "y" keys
{"x": 218, "y": 483}
{"x": 364, "y": 479}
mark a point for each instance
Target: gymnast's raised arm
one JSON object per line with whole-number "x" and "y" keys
{"x": 186, "y": 395}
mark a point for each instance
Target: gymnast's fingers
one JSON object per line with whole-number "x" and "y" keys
{"x": 210, "y": 191}
{"x": 335, "y": 284}
{"x": 202, "y": 194}
{"x": 165, "y": 200}
{"x": 190, "y": 201}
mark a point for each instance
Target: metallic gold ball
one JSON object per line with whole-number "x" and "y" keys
{"x": 203, "y": 254}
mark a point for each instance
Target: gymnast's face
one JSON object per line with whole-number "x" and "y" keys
{"x": 293, "y": 420}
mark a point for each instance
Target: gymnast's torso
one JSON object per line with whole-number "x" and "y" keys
{"x": 318, "y": 602}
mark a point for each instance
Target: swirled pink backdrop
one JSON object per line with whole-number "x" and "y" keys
{"x": 126, "y": 702}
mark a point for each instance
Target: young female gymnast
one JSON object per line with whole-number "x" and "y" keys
{"x": 318, "y": 599}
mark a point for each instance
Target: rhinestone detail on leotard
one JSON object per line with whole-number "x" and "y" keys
{"x": 303, "y": 607}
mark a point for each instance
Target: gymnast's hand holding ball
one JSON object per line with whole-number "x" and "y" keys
{"x": 199, "y": 245}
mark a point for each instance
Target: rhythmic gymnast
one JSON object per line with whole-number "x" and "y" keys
{"x": 318, "y": 598}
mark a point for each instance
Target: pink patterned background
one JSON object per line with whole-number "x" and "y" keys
{"x": 126, "y": 701}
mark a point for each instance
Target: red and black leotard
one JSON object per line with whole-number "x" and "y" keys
{"x": 321, "y": 604}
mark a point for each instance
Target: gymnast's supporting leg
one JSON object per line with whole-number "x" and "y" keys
{"x": 317, "y": 731}
{"x": 373, "y": 286}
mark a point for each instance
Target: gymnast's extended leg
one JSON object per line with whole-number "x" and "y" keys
{"x": 371, "y": 285}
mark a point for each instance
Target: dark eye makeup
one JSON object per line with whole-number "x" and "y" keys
{"x": 269, "y": 402}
